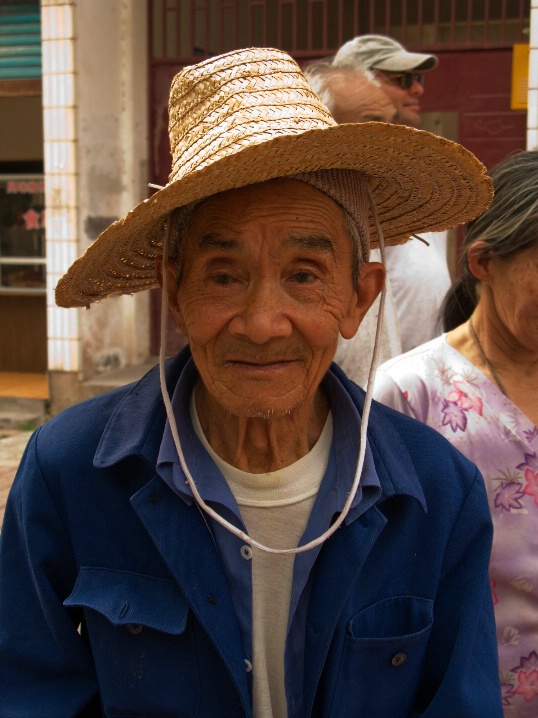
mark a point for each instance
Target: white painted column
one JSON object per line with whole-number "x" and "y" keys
{"x": 60, "y": 153}
{"x": 532, "y": 109}
{"x": 95, "y": 104}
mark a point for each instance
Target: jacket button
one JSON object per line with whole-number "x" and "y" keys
{"x": 134, "y": 628}
{"x": 248, "y": 665}
{"x": 398, "y": 659}
{"x": 246, "y": 552}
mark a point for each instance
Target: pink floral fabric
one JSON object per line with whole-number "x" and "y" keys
{"x": 437, "y": 385}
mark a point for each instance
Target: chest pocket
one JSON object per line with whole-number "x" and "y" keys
{"x": 138, "y": 628}
{"x": 382, "y": 658}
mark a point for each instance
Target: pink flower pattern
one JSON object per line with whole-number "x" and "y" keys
{"x": 466, "y": 397}
{"x": 527, "y": 677}
{"x": 531, "y": 489}
{"x": 458, "y": 401}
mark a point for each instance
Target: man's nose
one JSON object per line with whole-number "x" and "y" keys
{"x": 416, "y": 89}
{"x": 262, "y": 315}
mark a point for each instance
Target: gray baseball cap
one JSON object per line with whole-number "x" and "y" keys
{"x": 379, "y": 52}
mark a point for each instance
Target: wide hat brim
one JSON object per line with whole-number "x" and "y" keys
{"x": 420, "y": 183}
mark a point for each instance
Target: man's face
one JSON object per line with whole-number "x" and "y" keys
{"x": 405, "y": 100}
{"x": 265, "y": 291}
{"x": 359, "y": 100}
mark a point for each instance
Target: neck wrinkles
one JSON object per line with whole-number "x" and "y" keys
{"x": 261, "y": 445}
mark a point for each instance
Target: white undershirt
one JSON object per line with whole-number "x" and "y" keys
{"x": 275, "y": 508}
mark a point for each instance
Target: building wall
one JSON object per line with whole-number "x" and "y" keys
{"x": 95, "y": 120}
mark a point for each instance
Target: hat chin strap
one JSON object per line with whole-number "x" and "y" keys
{"x": 364, "y": 422}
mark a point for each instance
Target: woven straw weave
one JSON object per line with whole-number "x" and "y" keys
{"x": 249, "y": 116}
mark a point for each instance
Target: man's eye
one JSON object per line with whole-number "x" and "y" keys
{"x": 303, "y": 277}
{"x": 222, "y": 279}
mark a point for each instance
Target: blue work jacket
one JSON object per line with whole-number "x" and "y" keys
{"x": 114, "y": 601}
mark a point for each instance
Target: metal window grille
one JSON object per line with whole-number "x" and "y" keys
{"x": 192, "y": 29}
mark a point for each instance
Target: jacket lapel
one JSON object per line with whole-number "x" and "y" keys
{"x": 186, "y": 546}
{"x": 338, "y": 567}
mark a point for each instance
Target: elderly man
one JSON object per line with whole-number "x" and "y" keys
{"x": 254, "y": 538}
{"x": 400, "y": 72}
{"x": 351, "y": 94}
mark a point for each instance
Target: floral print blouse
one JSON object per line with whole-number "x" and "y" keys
{"x": 437, "y": 385}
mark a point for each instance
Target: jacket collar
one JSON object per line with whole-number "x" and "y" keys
{"x": 136, "y": 429}
{"x": 136, "y": 426}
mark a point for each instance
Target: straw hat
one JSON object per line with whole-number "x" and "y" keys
{"x": 249, "y": 116}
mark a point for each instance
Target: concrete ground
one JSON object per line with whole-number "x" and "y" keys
{"x": 12, "y": 445}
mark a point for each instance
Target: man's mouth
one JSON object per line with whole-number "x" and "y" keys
{"x": 259, "y": 362}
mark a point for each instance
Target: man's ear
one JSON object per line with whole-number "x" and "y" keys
{"x": 371, "y": 281}
{"x": 172, "y": 291}
{"x": 479, "y": 257}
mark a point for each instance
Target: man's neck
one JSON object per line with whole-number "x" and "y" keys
{"x": 261, "y": 445}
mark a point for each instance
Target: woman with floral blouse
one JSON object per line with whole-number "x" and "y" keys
{"x": 477, "y": 384}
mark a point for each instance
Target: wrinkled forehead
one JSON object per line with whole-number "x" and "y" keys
{"x": 326, "y": 197}
{"x": 274, "y": 211}
{"x": 279, "y": 195}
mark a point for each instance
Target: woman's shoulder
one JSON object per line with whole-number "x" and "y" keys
{"x": 411, "y": 381}
{"x": 425, "y": 364}
{"x": 415, "y": 360}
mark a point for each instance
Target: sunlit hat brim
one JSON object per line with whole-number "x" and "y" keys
{"x": 420, "y": 182}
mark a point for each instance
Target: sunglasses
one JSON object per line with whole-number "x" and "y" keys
{"x": 406, "y": 79}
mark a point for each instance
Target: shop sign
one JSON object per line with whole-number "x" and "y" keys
{"x": 25, "y": 186}
{"x": 22, "y": 234}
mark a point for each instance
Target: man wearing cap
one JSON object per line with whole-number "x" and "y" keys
{"x": 418, "y": 272}
{"x": 400, "y": 72}
{"x": 243, "y": 533}
{"x": 354, "y": 95}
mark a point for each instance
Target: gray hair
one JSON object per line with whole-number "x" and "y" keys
{"x": 510, "y": 224}
{"x": 508, "y": 227}
{"x": 321, "y": 75}
{"x": 180, "y": 221}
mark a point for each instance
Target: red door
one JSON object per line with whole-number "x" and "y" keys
{"x": 476, "y": 84}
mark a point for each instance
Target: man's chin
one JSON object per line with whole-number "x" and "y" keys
{"x": 251, "y": 402}
{"x": 411, "y": 119}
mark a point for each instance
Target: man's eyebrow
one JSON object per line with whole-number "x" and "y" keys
{"x": 216, "y": 241}
{"x": 311, "y": 241}
{"x": 318, "y": 242}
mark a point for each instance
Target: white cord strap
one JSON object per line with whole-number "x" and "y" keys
{"x": 175, "y": 434}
